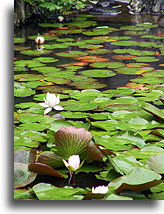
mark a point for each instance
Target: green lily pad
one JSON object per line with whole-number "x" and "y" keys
{"x": 49, "y": 192}
{"x": 46, "y": 69}
{"x": 125, "y": 43}
{"x": 88, "y": 85}
{"x": 146, "y": 59}
{"x": 72, "y": 115}
{"x": 138, "y": 179}
{"x": 73, "y": 68}
{"x": 56, "y": 46}
{"x": 86, "y": 94}
{"x": 79, "y": 106}
{"x": 22, "y": 176}
{"x": 98, "y": 73}
{"x": 46, "y": 37}
{"x": 45, "y": 59}
{"x": 107, "y": 64}
{"x": 133, "y": 71}
{"x": 23, "y": 92}
{"x": 124, "y": 165}
{"x": 19, "y": 40}
{"x": 133, "y": 52}
{"x": 72, "y": 54}
{"x": 28, "y": 63}
{"x": 51, "y": 25}
{"x": 99, "y": 51}
{"x": 35, "y": 52}
{"x": 153, "y": 110}
{"x": 157, "y": 163}
{"x": 27, "y": 77}
{"x": 24, "y": 194}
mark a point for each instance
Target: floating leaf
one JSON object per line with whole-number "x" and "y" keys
{"x": 22, "y": 176}
{"x": 99, "y": 51}
{"x": 146, "y": 59}
{"x": 153, "y": 110}
{"x": 19, "y": 40}
{"x": 43, "y": 169}
{"x": 71, "y": 54}
{"x": 35, "y": 52}
{"x": 55, "y": 46}
{"x": 49, "y": 192}
{"x": 23, "y": 92}
{"x": 157, "y": 163}
{"x": 51, "y": 159}
{"x": 138, "y": 179}
{"x": 98, "y": 73}
{"x": 28, "y": 63}
{"x": 92, "y": 59}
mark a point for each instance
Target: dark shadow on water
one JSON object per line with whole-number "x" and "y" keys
{"x": 119, "y": 80}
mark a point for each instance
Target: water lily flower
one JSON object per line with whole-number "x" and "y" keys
{"x": 51, "y": 102}
{"x": 39, "y": 40}
{"x": 61, "y": 18}
{"x": 73, "y": 162}
{"x": 100, "y": 189}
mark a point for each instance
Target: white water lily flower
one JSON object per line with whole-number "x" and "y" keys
{"x": 51, "y": 102}
{"x": 100, "y": 189}
{"x": 61, "y": 18}
{"x": 73, "y": 162}
{"x": 39, "y": 40}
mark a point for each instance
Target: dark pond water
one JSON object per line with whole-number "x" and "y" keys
{"x": 112, "y": 21}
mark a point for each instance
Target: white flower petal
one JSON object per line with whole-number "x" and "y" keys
{"x": 43, "y": 104}
{"x": 74, "y": 161}
{"x": 65, "y": 163}
{"x": 100, "y": 189}
{"x": 58, "y": 108}
{"x": 47, "y": 110}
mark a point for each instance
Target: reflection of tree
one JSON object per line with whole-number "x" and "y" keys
{"x": 148, "y": 6}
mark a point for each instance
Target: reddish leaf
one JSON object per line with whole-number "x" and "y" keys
{"x": 43, "y": 169}
{"x": 138, "y": 187}
{"x": 92, "y": 59}
{"x": 137, "y": 65}
{"x": 136, "y": 86}
{"x": 121, "y": 57}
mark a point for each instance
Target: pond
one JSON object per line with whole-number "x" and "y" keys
{"x": 107, "y": 70}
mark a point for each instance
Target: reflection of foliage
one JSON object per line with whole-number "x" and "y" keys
{"x": 62, "y": 6}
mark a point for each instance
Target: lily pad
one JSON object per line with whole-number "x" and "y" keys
{"x": 23, "y": 92}
{"x": 56, "y": 46}
{"x": 19, "y": 40}
{"x": 35, "y": 52}
{"x": 146, "y": 59}
{"x": 71, "y": 54}
{"x": 71, "y": 141}
{"x": 49, "y": 192}
{"x": 46, "y": 59}
{"x": 138, "y": 179}
{"x": 98, "y": 73}
{"x": 157, "y": 163}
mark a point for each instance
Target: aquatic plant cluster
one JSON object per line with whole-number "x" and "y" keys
{"x": 69, "y": 125}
